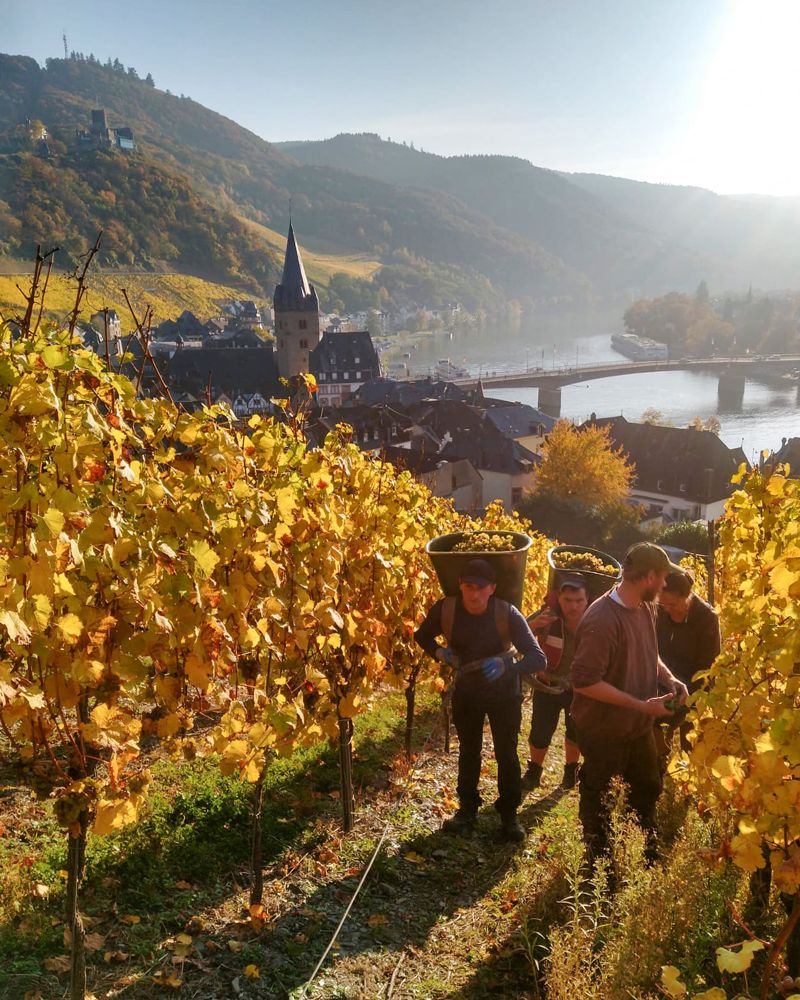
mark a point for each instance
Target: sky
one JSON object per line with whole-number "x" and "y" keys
{"x": 696, "y": 92}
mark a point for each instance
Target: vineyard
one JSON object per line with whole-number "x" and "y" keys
{"x": 196, "y": 617}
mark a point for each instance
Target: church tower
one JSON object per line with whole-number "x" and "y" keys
{"x": 296, "y": 314}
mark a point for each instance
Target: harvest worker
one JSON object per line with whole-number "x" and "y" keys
{"x": 479, "y": 630}
{"x": 688, "y": 638}
{"x": 555, "y": 629}
{"x": 615, "y": 675}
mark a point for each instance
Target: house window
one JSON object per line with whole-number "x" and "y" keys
{"x": 356, "y": 360}
{"x": 684, "y": 487}
{"x": 303, "y": 324}
{"x": 358, "y": 374}
{"x": 321, "y": 377}
{"x": 303, "y": 344}
{"x": 516, "y": 494}
{"x": 346, "y": 376}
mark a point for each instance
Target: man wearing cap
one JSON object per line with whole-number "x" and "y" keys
{"x": 616, "y": 672}
{"x": 480, "y": 630}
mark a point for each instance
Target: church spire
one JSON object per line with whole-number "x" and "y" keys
{"x": 294, "y": 290}
{"x": 294, "y": 274}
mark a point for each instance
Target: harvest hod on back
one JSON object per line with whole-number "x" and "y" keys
{"x": 493, "y": 689}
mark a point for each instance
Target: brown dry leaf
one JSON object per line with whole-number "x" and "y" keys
{"x": 59, "y": 963}
{"x": 183, "y": 884}
{"x": 32, "y": 995}
{"x": 41, "y": 891}
{"x": 94, "y": 942}
{"x": 130, "y": 918}
{"x": 234, "y": 945}
{"x": 116, "y": 956}
{"x": 376, "y": 919}
{"x": 414, "y": 858}
{"x": 212, "y": 945}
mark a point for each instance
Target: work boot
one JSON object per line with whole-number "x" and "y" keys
{"x": 512, "y": 828}
{"x": 532, "y": 778}
{"x": 462, "y": 823}
{"x": 570, "y": 779}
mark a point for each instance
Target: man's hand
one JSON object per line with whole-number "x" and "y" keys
{"x": 679, "y": 692}
{"x": 493, "y": 668}
{"x": 444, "y": 654}
{"x": 657, "y": 707}
{"x": 543, "y": 620}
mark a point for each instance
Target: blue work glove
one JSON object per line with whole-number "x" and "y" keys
{"x": 446, "y": 655}
{"x": 493, "y": 668}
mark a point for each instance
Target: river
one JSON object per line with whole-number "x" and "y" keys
{"x": 769, "y": 412}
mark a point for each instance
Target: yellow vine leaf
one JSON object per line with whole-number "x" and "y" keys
{"x": 670, "y": 981}
{"x": 737, "y": 961}
{"x": 205, "y": 558}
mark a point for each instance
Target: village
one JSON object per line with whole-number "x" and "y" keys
{"x": 463, "y": 444}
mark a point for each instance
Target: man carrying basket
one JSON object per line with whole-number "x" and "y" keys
{"x": 555, "y": 629}
{"x": 480, "y": 630}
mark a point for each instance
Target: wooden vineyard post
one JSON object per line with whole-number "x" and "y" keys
{"x": 256, "y": 869}
{"x": 712, "y": 544}
{"x": 76, "y": 856}
{"x": 411, "y": 694}
{"x": 346, "y": 772}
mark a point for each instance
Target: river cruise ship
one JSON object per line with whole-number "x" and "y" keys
{"x": 639, "y": 348}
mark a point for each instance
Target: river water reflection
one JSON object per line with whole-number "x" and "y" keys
{"x": 769, "y": 412}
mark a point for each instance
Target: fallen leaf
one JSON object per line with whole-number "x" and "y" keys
{"x": 94, "y": 942}
{"x": 41, "y": 891}
{"x": 130, "y": 918}
{"x": 377, "y": 919}
{"x": 116, "y": 956}
{"x": 234, "y": 945}
{"x": 414, "y": 858}
{"x": 252, "y": 972}
{"x": 59, "y": 963}
{"x": 183, "y": 885}
{"x": 183, "y": 945}
{"x": 167, "y": 981}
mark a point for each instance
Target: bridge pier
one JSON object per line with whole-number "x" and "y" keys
{"x": 730, "y": 390}
{"x": 550, "y": 400}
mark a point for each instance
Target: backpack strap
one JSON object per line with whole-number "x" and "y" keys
{"x": 501, "y": 622}
{"x": 448, "y": 617}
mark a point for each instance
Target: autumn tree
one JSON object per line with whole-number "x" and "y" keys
{"x": 583, "y": 465}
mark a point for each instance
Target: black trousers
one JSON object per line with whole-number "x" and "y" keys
{"x": 636, "y": 762}
{"x": 505, "y": 718}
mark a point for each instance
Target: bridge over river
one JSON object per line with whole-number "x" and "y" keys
{"x": 549, "y": 381}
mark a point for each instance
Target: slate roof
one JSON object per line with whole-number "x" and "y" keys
{"x": 387, "y": 390}
{"x": 466, "y": 432}
{"x": 294, "y": 293}
{"x": 676, "y": 461}
{"x": 345, "y": 352}
{"x": 789, "y": 451}
{"x": 232, "y": 371}
{"x": 518, "y": 419}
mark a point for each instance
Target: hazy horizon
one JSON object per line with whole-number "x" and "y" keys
{"x": 688, "y": 93}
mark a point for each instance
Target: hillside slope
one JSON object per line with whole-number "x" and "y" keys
{"x": 614, "y": 250}
{"x": 337, "y": 212}
{"x": 751, "y": 241}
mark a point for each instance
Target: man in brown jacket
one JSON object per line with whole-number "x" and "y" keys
{"x": 615, "y": 676}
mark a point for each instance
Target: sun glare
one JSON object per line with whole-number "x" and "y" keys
{"x": 743, "y": 137}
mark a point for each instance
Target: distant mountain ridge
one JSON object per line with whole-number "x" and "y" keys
{"x": 202, "y": 191}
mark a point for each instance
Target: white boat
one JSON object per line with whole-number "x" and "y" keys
{"x": 639, "y": 348}
{"x": 446, "y": 370}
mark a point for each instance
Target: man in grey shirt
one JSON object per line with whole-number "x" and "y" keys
{"x": 615, "y": 676}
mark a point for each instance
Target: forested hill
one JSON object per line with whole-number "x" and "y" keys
{"x": 620, "y": 233}
{"x": 431, "y": 247}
